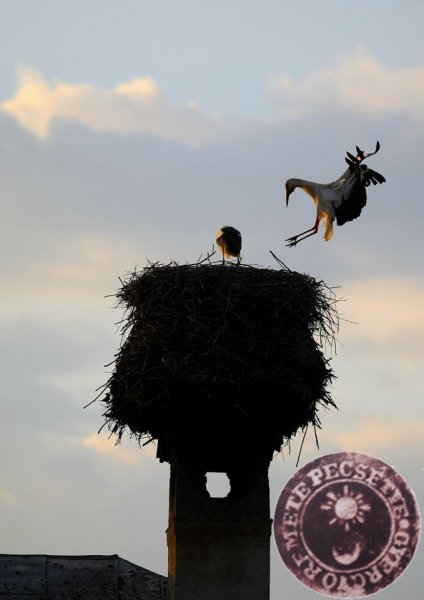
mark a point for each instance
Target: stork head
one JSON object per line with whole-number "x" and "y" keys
{"x": 290, "y": 187}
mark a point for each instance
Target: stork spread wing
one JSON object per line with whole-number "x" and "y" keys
{"x": 352, "y": 204}
{"x": 362, "y": 172}
{"x": 355, "y": 197}
{"x": 369, "y": 176}
{"x": 361, "y": 155}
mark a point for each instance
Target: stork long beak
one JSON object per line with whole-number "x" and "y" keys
{"x": 288, "y": 192}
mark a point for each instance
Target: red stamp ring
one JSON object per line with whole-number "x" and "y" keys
{"x": 346, "y": 525}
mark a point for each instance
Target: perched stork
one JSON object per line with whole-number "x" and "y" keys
{"x": 341, "y": 200}
{"x": 228, "y": 240}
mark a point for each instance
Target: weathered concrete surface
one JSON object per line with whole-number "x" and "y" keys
{"x": 22, "y": 578}
{"x": 43, "y": 577}
{"x": 219, "y": 547}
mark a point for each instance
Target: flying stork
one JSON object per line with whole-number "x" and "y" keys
{"x": 341, "y": 200}
{"x": 228, "y": 240}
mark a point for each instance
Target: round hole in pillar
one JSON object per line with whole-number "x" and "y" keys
{"x": 217, "y": 484}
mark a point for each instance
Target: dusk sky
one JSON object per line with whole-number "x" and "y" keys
{"x": 131, "y": 131}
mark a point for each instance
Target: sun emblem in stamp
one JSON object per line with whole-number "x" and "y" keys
{"x": 346, "y": 525}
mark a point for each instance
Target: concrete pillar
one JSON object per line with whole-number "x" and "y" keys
{"x": 218, "y": 548}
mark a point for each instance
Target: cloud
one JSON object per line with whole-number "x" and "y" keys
{"x": 67, "y": 272}
{"x": 375, "y": 435}
{"x": 388, "y": 313}
{"x": 359, "y": 83}
{"x": 133, "y": 107}
{"x": 107, "y": 447}
{"x": 7, "y": 497}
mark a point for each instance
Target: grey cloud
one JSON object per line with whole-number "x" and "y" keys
{"x": 165, "y": 200}
{"x": 143, "y": 188}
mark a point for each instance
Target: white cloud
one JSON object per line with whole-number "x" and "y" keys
{"x": 359, "y": 83}
{"x": 144, "y": 88}
{"x": 7, "y": 497}
{"x": 136, "y": 106}
{"x": 68, "y": 273}
{"x": 107, "y": 447}
{"x": 388, "y": 316}
{"x": 375, "y": 434}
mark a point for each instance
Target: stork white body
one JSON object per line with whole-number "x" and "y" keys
{"x": 341, "y": 200}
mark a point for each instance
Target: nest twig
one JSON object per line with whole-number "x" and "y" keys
{"x": 229, "y": 348}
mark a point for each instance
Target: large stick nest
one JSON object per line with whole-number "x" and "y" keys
{"x": 214, "y": 351}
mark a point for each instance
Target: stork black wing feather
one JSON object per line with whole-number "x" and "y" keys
{"x": 373, "y": 176}
{"x": 352, "y": 158}
{"x": 360, "y": 152}
{"x": 352, "y": 205}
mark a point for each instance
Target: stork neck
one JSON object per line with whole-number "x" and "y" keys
{"x": 310, "y": 187}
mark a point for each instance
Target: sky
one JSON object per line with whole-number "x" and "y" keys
{"x": 131, "y": 131}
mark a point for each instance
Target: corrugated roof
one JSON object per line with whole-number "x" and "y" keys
{"x": 93, "y": 577}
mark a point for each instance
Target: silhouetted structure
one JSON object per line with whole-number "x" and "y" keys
{"x": 40, "y": 576}
{"x": 222, "y": 365}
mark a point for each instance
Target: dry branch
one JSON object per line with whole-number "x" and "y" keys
{"x": 211, "y": 350}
